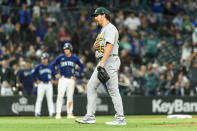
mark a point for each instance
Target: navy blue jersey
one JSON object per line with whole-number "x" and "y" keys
{"x": 26, "y": 78}
{"x": 66, "y": 65}
{"x": 44, "y": 73}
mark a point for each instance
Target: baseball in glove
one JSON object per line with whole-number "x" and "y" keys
{"x": 103, "y": 76}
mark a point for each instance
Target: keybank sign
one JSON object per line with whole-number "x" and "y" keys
{"x": 176, "y": 106}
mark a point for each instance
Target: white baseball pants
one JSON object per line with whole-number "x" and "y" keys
{"x": 45, "y": 88}
{"x": 65, "y": 85}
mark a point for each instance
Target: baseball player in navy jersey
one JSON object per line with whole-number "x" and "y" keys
{"x": 26, "y": 79}
{"x": 66, "y": 79}
{"x": 44, "y": 73}
{"x": 106, "y": 46}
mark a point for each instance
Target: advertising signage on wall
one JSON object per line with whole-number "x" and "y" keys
{"x": 176, "y": 106}
{"x": 133, "y": 105}
{"x": 20, "y": 105}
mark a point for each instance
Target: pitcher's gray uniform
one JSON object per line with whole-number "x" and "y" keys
{"x": 108, "y": 35}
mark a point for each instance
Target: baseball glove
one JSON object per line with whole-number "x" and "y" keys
{"x": 103, "y": 76}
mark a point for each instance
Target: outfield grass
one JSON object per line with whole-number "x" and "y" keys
{"x": 134, "y": 123}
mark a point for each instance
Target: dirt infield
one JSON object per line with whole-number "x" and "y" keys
{"x": 192, "y": 123}
{"x": 149, "y": 118}
{"x": 152, "y": 117}
{"x": 166, "y": 124}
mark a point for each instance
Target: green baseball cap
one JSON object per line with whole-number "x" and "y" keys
{"x": 100, "y": 11}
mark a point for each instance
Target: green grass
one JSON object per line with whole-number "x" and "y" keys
{"x": 134, "y": 123}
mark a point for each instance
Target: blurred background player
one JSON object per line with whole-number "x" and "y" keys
{"x": 26, "y": 79}
{"x": 7, "y": 79}
{"x": 66, "y": 64}
{"x": 44, "y": 73}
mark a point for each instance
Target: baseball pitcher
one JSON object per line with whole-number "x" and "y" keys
{"x": 106, "y": 50}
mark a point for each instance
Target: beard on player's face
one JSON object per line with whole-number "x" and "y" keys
{"x": 99, "y": 19}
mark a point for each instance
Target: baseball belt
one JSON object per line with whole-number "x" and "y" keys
{"x": 110, "y": 55}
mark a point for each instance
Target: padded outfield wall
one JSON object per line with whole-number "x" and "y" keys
{"x": 133, "y": 105}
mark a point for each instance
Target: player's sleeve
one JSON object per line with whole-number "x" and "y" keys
{"x": 55, "y": 62}
{"x": 53, "y": 72}
{"x": 110, "y": 36}
{"x": 81, "y": 65}
{"x": 19, "y": 76}
{"x": 35, "y": 73}
{"x": 55, "y": 65}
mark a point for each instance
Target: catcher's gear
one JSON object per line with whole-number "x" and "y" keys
{"x": 103, "y": 76}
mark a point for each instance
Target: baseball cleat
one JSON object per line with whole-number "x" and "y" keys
{"x": 86, "y": 120}
{"x": 52, "y": 115}
{"x": 116, "y": 122}
{"x": 58, "y": 116}
{"x": 37, "y": 115}
{"x": 70, "y": 116}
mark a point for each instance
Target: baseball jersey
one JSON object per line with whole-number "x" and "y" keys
{"x": 109, "y": 34}
{"x": 44, "y": 73}
{"x": 26, "y": 78}
{"x": 66, "y": 65}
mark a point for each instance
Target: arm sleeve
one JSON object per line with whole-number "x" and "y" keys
{"x": 19, "y": 76}
{"x": 55, "y": 65}
{"x": 35, "y": 73}
{"x": 55, "y": 62}
{"x": 53, "y": 72}
{"x": 81, "y": 65}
